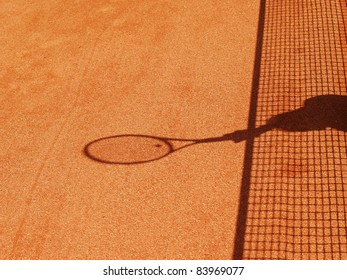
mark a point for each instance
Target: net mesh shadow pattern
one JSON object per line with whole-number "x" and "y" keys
{"x": 297, "y": 198}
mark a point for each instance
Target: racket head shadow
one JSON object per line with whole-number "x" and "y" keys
{"x": 128, "y": 149}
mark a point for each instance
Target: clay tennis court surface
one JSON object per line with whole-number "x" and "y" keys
{"x": 265, "y": 81}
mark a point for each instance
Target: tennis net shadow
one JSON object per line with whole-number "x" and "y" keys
{"x": 294, "y": 196}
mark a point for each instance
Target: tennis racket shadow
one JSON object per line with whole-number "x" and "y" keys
{"x": 137, "y": 148}
{"x": 317, "y": 113}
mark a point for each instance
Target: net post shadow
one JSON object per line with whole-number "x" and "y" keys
{"x": 245, "y": 184}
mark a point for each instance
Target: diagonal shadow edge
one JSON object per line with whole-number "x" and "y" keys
{"x": 239, "y": 239}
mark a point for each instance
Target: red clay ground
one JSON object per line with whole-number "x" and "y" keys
{"x": 73, "y": 72}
